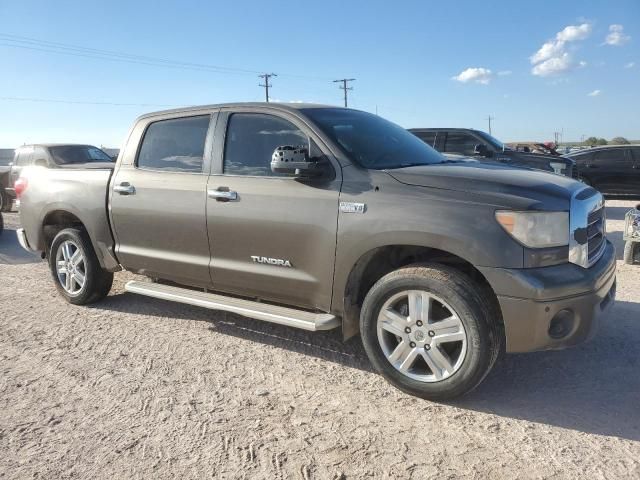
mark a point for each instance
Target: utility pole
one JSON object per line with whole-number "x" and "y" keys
{"x": 489, "y": 118}
{"x": 344, "y": 87}
{"x": 266, "y": 84}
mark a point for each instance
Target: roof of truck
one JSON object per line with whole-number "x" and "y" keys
{"x": 277, "y": 105}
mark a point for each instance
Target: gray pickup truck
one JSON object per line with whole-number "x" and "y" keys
{"x": 320, "y": 217}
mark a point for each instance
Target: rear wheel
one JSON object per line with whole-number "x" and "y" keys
{"x": 76, "y": 271}
{"x": 429, "y": 332}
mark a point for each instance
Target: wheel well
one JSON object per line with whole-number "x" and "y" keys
{"x": 56, "y": 221}
{"x": 378, "y": 262}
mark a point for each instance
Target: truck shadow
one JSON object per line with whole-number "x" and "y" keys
{"x": 594, "y": 388}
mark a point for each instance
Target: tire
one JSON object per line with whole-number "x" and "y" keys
{"x": 1, "y": 223}
{"x": 97, "y": 281}
{"x": 631, "y": 253}
{"x": 453, "y": 295}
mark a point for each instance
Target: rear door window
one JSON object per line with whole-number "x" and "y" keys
{"x": 460, "y": 142}
{"x": 175, "y": 145}
{"x": 612, "y": 157}
{"x": 427, "y": 137}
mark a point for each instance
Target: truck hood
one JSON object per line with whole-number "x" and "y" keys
{"x": 494, "y": 183}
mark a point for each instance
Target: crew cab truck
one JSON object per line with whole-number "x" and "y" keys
{"x": 320, "y": 217}
{"x": 478, "y": 144}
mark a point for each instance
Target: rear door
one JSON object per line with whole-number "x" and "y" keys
{"x": 612, "y": 170}
{"x": 273, "y": 237}
{"x": 158, "y": 199}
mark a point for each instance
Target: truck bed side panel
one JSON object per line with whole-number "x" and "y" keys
{"x": 79, "y": 192}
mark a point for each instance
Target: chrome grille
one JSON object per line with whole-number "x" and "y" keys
{"x": 587, "y": 223}
{"x": 595, "y": 234}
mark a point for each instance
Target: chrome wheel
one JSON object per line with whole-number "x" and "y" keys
{"x": 421, "y": 336}
{"x": 70, "y": 267}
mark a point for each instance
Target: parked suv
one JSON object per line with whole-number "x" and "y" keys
{"x": 614, "y": 169}
{"x": 319, "y": 217}
{"x": 52, "y": 155}
{"x": 476, "y": 143}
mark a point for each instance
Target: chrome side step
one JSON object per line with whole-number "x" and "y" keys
{"x": 260, "y": 311}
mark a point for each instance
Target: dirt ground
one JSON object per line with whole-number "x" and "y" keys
{"x": 135, "y": 387}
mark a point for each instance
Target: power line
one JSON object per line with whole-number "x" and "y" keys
{"x": 79, "y": 102}
{"x": 344, "y": 87}
{"x": 15, "y": 41}
{"x": 266, "y": 84}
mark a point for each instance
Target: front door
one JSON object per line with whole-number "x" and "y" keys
{"x": 158, "y": 201}
{"x": 272, "y": 237}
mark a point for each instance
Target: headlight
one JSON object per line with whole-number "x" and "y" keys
{"x": 536, "y": 229}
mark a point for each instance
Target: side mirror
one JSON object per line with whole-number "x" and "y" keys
{"x": 482, "y": 150}
{"x": 294, "y": 160}
{"x": 41, "y": 162}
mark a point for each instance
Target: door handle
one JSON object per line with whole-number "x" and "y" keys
{"x": 590, "y": 165}
{"x": 223, "y": 194}
{"x": 125, "y": 188}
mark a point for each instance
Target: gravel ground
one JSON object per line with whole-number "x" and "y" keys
{"x": 136, "y": 388}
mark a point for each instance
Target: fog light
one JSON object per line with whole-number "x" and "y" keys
{"x": 561, "y": 324}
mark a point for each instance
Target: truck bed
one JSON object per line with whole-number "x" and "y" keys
{"x": 81, "y": 192}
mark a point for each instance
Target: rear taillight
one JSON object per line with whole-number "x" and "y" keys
{"x": 20, "y": 186}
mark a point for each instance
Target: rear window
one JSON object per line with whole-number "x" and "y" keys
{"x": 77, "y": 154}
{"x": 175, "y": 145}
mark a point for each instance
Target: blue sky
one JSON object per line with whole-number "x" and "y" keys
{"x": 419, "y": 63}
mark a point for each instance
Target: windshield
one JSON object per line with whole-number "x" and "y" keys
{"x": 371, "y": 141}
{"x": 73, "y": 154}
{"x": 497, "y": 144}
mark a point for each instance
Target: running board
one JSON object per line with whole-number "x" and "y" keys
{"x": 260, "y": 311}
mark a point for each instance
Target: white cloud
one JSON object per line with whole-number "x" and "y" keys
{"x": 630, "y": 65}
{"x": 595, "y": 93}
{"x": 552, "y": 57}
{"x": 553, "y": 66}
{"x": 504, "y": 73}
{"x": 582, "y": 63}
{"x": 474, "y": 74}
{"x": 547, "y": 51}
{"x": 616, "y": 36}
{"x": 572, "y": 33}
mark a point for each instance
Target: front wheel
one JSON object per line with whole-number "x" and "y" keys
{"x": 429, "y": 332}
{"x": 76, "y": 271}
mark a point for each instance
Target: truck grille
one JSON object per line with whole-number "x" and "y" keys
{"x": 595, "y": 234}
{"x": 587, "y": 240}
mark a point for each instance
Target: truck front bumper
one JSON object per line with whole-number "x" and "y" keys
{"x": 553, "y": 307}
